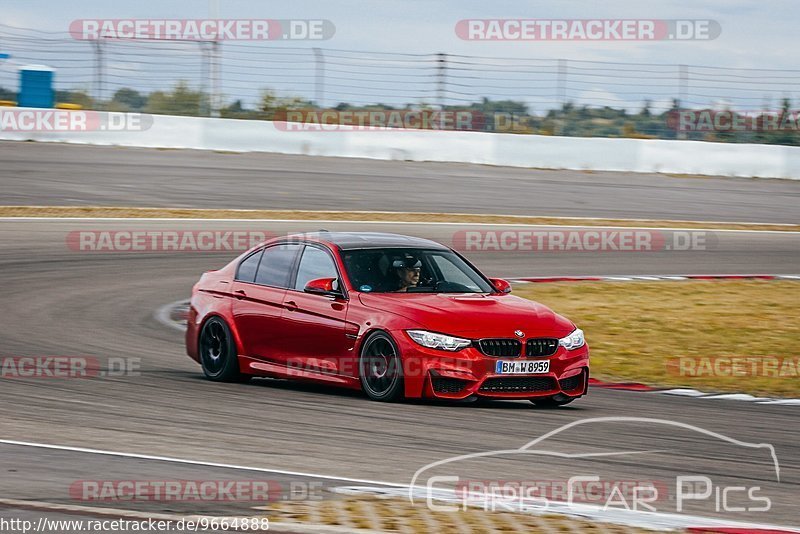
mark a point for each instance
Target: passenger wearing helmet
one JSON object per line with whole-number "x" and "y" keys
{"x": 407, "y": 269}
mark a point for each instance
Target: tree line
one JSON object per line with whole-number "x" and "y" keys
{"x": 500, "y": 116}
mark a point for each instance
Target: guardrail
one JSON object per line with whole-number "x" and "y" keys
{"x": 533, "y": 151}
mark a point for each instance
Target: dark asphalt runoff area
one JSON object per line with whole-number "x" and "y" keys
{"x": 61, "y": 301}
{"x": 75, "y": 175}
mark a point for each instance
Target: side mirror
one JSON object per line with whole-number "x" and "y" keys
{"x": 323, "y": 286}
{"x": 501, "y": 285}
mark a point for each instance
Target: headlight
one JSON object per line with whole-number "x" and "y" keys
{"x": 438, "y": 341}
{"x": 573, "y": 341}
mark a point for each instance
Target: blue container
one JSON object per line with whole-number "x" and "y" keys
{"x": 36, "y": 87}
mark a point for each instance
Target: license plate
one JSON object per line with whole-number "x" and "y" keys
{"x": 522, "y": 367}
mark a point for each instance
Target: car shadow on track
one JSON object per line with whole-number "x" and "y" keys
{"x": 322, "y": 389}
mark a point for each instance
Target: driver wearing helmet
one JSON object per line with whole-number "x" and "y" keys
{"x": 407, "y": 269}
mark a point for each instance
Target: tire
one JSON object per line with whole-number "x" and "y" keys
{"x": 550, "y": 402}
{"x": 380, "y": 368}
{"x": 218, "y": 352}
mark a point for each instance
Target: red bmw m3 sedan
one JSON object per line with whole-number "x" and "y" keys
{"x": 393, "y": 315}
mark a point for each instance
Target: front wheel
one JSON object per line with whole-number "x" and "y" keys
{"x": 380, "y": 368}
{"x": 218, "y": 352}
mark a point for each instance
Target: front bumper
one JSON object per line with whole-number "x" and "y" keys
{"x": 469, "y": 373}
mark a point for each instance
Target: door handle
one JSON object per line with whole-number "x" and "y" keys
{"x": 290, "y": 305}
{"x": 240, "y": 294}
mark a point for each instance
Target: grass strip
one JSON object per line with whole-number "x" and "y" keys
{"x": 639, "y": 331}
{"x": 381, "y": 216}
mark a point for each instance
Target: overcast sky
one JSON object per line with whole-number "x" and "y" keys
{"x": 755, "y": 34}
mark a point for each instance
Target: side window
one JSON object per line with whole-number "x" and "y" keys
{"x": 315, "y": 263}
{"x": 247, "y": 269}
{"x": 276, "y": 264}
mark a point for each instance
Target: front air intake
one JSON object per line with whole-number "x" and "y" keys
{"x": 444, "y": 384}
{"x": 500, "y": 347}
{"x": 518, "y": 384}
{"x": 540, "y": 347}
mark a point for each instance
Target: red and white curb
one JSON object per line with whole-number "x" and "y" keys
{"x": 652, "y": 278}
{"x": 688, "y": 392}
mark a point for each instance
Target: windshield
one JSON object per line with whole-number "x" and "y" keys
{"x": 411, "y": 270}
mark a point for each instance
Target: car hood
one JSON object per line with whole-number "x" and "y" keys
{"x": 472, "y": 315}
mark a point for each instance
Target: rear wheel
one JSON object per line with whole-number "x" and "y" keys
{"x": 218, "y": 352}
{"x": 380, "y": 368}
{"x": 552, "y": 402}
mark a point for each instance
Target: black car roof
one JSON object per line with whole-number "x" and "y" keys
{"x": 359, "y": 240}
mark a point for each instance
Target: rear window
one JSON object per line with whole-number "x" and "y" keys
{"x": 247, "y": 269}
{"x": 276, "y": 264}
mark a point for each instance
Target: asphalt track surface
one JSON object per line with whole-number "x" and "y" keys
{"x": 59, "y": 301}
{"x": 57, "y": 174}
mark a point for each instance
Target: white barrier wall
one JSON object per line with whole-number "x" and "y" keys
{"x": 577, "y": 153}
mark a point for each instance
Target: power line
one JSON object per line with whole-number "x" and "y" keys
{"x": 246, "y": 69}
